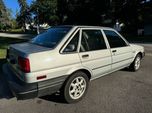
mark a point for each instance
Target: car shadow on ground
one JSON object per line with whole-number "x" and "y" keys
{"x": 56, "y": 97}
{"x": 4, "y": 89}
{"x": 126, "y": 69}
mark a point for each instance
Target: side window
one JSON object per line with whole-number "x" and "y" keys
{"x": 73, "y": 44}
{"x": 114, "y": 39}
{"x": 92, "y": 40}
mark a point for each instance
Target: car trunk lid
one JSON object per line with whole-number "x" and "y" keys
{"x": 20, "y": 51}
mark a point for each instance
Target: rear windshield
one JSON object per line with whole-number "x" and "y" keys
{"x": 51, "y": 37}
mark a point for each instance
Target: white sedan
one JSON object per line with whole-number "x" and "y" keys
{"x": 66, "y": 59}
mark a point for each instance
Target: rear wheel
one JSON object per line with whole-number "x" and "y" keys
{"x": 76, "y": 87}
{"x": 136, "y": 63}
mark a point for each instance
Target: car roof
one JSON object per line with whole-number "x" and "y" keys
{"x": 84, "y": 26}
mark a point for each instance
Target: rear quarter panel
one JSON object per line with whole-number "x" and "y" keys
{"x": 52, "y": 64}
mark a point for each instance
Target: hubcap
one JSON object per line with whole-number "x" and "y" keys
{"x": 137, "y": 63}
{"x": 77, "y": 87}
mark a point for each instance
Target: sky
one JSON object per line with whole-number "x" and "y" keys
{"x": 13, "y": 5}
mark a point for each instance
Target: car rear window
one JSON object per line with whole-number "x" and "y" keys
{"x": 51, "y": 37}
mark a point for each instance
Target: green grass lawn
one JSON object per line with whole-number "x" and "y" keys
{"x": 4, "y": 43}
{"x": 2, "y": 53}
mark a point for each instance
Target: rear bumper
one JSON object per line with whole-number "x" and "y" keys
{"x": 23, "y": 90}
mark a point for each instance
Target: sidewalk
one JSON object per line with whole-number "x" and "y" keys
{"x": 19, "y": 36}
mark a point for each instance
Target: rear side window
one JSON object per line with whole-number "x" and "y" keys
{"x": 73, "y": 44}
{"x": 114, "y": 39}
{"x": 92, "y": 40}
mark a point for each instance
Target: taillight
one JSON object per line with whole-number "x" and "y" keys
{"x": 24, "y": 64}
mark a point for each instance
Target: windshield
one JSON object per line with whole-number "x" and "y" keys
{"x": 51, "y": 37}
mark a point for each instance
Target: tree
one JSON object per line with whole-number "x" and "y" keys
{"x": 129, "y": 12}
{"x": 101, "y": 12}
{"x": 90, "y": 12}
{"x": 82, "y": 11}
{"x": 24, "y": 16}
{"x": 45, "y": 11}
{"x": 147, "y": 12}
{"x": 4, "y": 16}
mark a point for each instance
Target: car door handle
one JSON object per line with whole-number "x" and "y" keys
{"x": 114, "y": 51}
{"x": 85, "y": 56}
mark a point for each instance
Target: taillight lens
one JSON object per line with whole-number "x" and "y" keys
{"x": 24, "y": 64}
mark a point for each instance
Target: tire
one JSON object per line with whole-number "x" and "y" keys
{"x": 75, "y": 87}
{"x": 136, "y": 63}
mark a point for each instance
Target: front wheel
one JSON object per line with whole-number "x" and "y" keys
{"x": 136, "y": 63}
{"x": 76, "y": 87}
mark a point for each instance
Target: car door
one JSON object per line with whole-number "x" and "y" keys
{"x": 93, "y": 53}
{"x": 121, "y": 51}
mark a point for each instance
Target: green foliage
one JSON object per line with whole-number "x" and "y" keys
{"x": 14, "y": 24}
{"x": 45, "y": 11}
{"x": 24, "y": 16}
{"x": 1, "y": 26}
{"x": 97, "y": 12}
{"x": 4, "y": 16}
{"x": 87, "y": 12}
{"x": 53, "y": 20}
{"x": 23, "y": 5}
